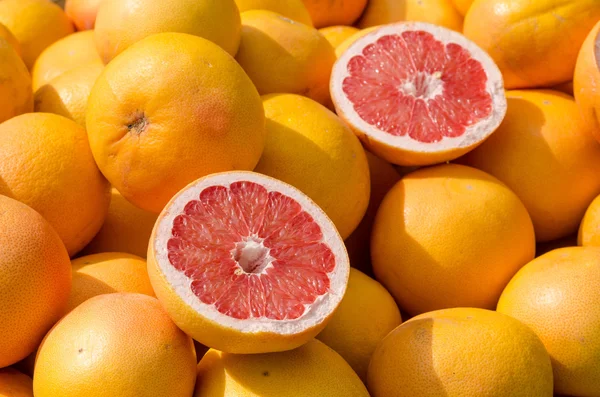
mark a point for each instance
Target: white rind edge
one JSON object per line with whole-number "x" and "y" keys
{"x": 315, "y": 313}
{"x": 473, "y": 134}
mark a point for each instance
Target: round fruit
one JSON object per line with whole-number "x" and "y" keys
{"x": 106, "y": 273}
{"x": 418, "y": 94}
{"x": 121, "y": 23}
{"x": 587, "y": 80}
{"x": 292, "y": 9}
{"x": 334, "y": 12}
{"x": 119, "y": 344}
{"x": 67, "y": 95}
{"x": 15, "y": 384}
{"x": 556, "y": 30}
{"x": 245, "y": 263}
{"x": 311, "y": 370}
{"x": 35, "y": 279}
{"x": 12, "y": 40}
{"x": 462, "y": 6}
{"x": 365, "y": 316}
{"x": 142, "y": 140}
{"x": 282, "y": 56}
{"x": 589, "y": 230}
{"x": 450, "y": 236}
{"x": 82, "y": 12}
{"x": 461, "y": 352}
{"x": 46, "y": 163}
{"x": 69, "y": 53}
{"x": 336, "y": 35}
{"x": 36, "y": 24}
{"x": 126, "y": 228}
{"x": 383, "y": 177}
{"x": 547, "y": 155}
{"x": 557, "y": 296}
{"x": 310, "y": 148}
{"x": 437, "y": 12}
{"x": 16, "y": 96}
{"x": 344, "y": 45}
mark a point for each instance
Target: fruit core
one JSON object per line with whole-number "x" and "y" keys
{"x": 411, "y": 84}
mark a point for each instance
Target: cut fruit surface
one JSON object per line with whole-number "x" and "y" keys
{"x": 418, "y": 94}
{"x": 245, "y": 263}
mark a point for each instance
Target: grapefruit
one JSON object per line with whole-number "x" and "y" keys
{"x": 437, "y": 12}
{"x": 418, "y": 94}
{"x": 67, "y": 95}
{"x": 126, "y": 228}
{"x": 15, "y": 384}
{"x": 107, "y": 273}
{"x": 310, "y": 370}
{"x": 310, "y": 148}
{"x": 336, "y": 35}
{"x": 557, "y": 295}
{"x": 35, "y": 24}
{"x": 292, "y": 9}
{"x": 462, "y": 6}
{"x": 365, "y": 316}
{"x": 344, "y": 45}
{"x": 461, "y": 352}
{"x": 556, "y": 30}
{"x": 283, "y": 56}
{"x": 120, "y": 344}
{"x": 121, "y": 23}
{"x": 142, "y": 140}
{"x": 12, "y": 40}
{"x": 566, "y": 88}
{"x": 449, "y": 236}
{"x": 16, "y": 96}
{"x": 544, "y": 134}
{"x": 35, "y": 279}
{"x": 589, "y": 230}
{"x": 69, "y": 53}
{"x": 586, "y": 82}
{"x": 46, "y": 162}
{"x": 245, "y": 263}
{"x": 334, "y": 12}
{"x": 82, "y": 12}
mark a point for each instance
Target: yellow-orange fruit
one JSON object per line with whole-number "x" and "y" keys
{"x": 141, "y": 139}
{"x": 589, "y": 230}
{"x": 46, "y": 163}
{"x": 546, "y": 154}
{"x": 310, "y": 148}
{"x": 126, "y": 228}
{"x": 16, "y": 95}
{"x": 36, "y": 24}
{"x": 556, "y": 29}
{"x": 82, "y": 12}
{"x": 292, "y": 9}
{"x": 461, "y": 352}
{"x": 120, "y": 344}
{"x": 121, "y": 23}
{"x": 567, "y": 88}
{"x": 69, "y": 53}
{"x": 282, "y": 56}
{"x": 107, "y": 273}
{"x": 586, "y": 82}
{"x": 437, "y": 12}
{"x": 15, "y": 384}
{"x": 334, "y": 12}
{"x": 557, "y": 295}
{"x": 343, "y": 46}
{"x": 310, "y": 370}
{"x": 12, "y": 40}
{"x": 365, "y": 316}
{"x": 434, "y": 213}
{"x": 35, "y": 279}
{"x": 336, "y": 35}
{"x": 67, "y": 95}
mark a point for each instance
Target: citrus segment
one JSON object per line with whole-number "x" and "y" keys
{"x": 248, "y": 253}
{"x": 418, "y": 94}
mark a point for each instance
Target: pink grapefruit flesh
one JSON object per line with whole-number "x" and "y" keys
{"x": 418, "y": 94}
{"x": 248, "y": 254}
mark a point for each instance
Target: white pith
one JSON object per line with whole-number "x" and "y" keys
{"x": 475, "y": 133}
{"x": 314, "y": 313}
{"x": 433, "y": 83}
{"x": 252, "y": 256}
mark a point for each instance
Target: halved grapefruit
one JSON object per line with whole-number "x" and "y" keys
{"x": 245, "y": 263}
{"x": 418, "y": 94}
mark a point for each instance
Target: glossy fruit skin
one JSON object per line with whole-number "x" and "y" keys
{"x": 337, "y": 34}
{"x": 588, "y": 229}
{"x": 586, "y": 81}
{"x": 16, "y": 96}
{"x": 82, "y": 13}
{"x": 461, "y": 352}
{"x": 431, "y": 213}
{"x": 15, "y": 384}
{"x": 544, "y": 133}
{"x": 559, "y": 28}
{"x": 292, "y": 9}
{"x": 556, "y": 296}
{"x": 334, "y": 12}
{"x": 12, "y": 40}
{"x": 35, "y": 279}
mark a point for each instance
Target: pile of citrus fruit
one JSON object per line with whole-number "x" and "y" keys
{"x": 299, "y": 198}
